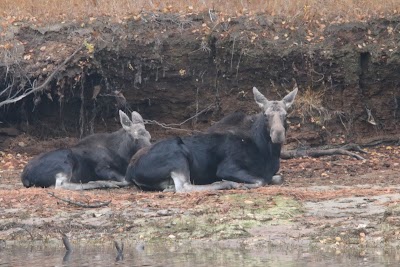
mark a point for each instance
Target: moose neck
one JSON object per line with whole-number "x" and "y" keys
{"x": 124, "y": 144}
{"x": 261, "y": 137}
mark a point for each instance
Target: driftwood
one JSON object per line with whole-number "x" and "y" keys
{"x": 66, "y": 242}
{"x": 68, "y": 247}
{"x": 80, "y": 204}
{"x": 344, "y": 150}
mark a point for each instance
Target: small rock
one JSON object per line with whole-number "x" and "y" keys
{"x": 140, "y": 246}
{"x": 361, "y": 226}
{"x": 163, "y": 212}
{"x": 42, "y": 48}
{"x": 21, "y": 144}
{"x": 171, "y": 236}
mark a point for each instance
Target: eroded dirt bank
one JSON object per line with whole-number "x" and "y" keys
{"x": 170, "y": 67}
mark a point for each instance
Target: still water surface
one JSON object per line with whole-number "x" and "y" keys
{"x": 182, "y": 256}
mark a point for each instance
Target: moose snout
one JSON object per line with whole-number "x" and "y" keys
{"x": 278, "y": 135}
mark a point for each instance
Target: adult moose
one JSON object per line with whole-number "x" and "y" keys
{"x": 217, "y": 161}
{"x": 102, "y": 158}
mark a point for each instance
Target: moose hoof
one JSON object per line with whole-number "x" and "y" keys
{"x": 170, "y": 188}
{"x": 277, "y": 180}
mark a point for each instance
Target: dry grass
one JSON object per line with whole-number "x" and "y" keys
{"x": 307, "y": 10}
{"x": 310, "y": 105}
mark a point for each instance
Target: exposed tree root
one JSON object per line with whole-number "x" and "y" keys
{"x": 344, "y": 150}
{"x": 394, "y": 139}
{"x": 34, "y": 89}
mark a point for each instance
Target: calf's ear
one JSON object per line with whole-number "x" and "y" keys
{"x": 288, "y": 100}
{"x": 137, "y": 118}
{"x": 260, "y": 99}
{"x": 125, "y": 121}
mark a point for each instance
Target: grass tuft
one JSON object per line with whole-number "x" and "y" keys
{"x": 309, "y": 104}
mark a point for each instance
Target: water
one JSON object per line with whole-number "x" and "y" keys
{"x": 182, "y": 256}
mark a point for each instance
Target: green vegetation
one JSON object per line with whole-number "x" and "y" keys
{"x": 235, "y": 220}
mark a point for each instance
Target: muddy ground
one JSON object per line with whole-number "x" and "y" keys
{"x": 333, "y": 201}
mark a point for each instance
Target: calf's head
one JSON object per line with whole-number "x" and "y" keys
{"x": 275, "y": 113}
{"x": 135, "y": 128}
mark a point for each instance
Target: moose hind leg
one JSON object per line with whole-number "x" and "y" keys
{"x": 229, "y": 173}
{"x": 277, "y": 180}
{"x": 183, "y": 185}
{"x": 105, "y": 172}
{"x": 63, "y": 181}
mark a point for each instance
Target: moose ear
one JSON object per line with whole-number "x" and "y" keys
{"x": 260, "y": 99}
{"x": 288, "y": 100}
{"x": 137, "y": 118}
{"x": 125, "y": 121}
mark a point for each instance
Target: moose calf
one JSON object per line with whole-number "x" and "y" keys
{"x": 102, "y": 157}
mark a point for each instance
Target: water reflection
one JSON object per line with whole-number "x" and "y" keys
{"x": 184, "y": 255}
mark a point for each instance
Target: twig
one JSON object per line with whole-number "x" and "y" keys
{"x": 120, "y": 250}
{"x": 28, "y": 233}
{"x": 80, "y": 204}
{"x": 44, "y": 84}
{"x": 170, "y": 126}
{"x": 233, "y": 50}
{"x": 68, "y": 247}
{"x": 66, "y": 242}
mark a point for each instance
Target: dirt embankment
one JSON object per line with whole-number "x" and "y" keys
{"x": 170, "y": 67}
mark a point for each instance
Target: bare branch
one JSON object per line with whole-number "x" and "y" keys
{"x": 171, "y": 126}
{"x": 45, "y": 83}
{"x": 120, "y": 250}
{"x": 80, "y": 204}
{"x": 66, "y": 242}
{"x": 28, "y": 233}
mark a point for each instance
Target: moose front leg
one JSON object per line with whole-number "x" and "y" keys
{"x": 107, "y": 173}
{"x": 63, "y": 182}
{"x": 232, "y": 173}
{"x": 277, "y": 180}
{"x": 182, "y": 184}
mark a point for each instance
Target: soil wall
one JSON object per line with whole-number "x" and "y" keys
{"x": 171, "y": 67}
